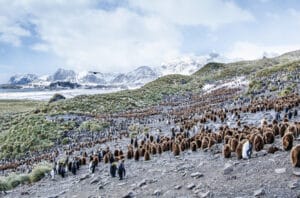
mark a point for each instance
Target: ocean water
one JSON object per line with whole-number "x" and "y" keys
{"x": 36, "y": 94}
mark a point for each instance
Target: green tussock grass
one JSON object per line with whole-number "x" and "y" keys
{"x": 150, "y": 94}
{"x": 14, "y": 180}
{"x": 17, "y": 106}
{"x": 286, "y": 67}
{"x": 29, "y": 133}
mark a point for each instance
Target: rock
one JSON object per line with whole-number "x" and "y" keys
{"x": 207, "y": 194}
{"x": 151, "y": 181}
{"x": 280, "y": 170}
{"x": 94, "y": 181}
{"x": 259, "y": 192}
{"x": 58, "y": 195}
{"x": 261, "y": 153}
{"x": 293, "y": 184}
{"x": 142, "y": 183}
{"x": 157, "y": 193}
{"x": 196, "y": 191}
{"x": 227, "y": 169}
{"x": 56, "y": 97}
{"x": 25, "y": 193}
{"x": 190, "y": 186}
{"x": 233, "y": 177}
{"x": 121, "y": 184}
{"x": 101, "y": 187}
{"x": 85, "y": 177}
{"x": 129, "y": 195}
{"x": 177, "y": 187}
{"x": 296, "y": 172}
{"x": 196, "y": 175}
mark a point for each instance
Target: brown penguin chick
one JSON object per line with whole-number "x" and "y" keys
{"x": 106, "y": 158}
{"x": 239, "y": 149}
{"x": 292, "y": 129}
{"x": 153, "y": 149}
{"x": 226, "y": 151}
{"x": 116, "y": 153}
{"x": 142, "y": 151}
{"x": 242, "y": 136}
{"x": 147, "y": 156}
{"x": 83, "y": 161}
{"x": 275, "y": 129}
{"x": 129, "y": 154}
{"x": 211, "y": 142}
{"x": 239, "y": 123}
{"x": 193, "y": 146}
{"x": 227, "y": 138}
{"x": 204, "y": 143}
{"x": 295, "y": 156}
{"x": 165, "y": 146}
{"x": 287, "y": 141}
{"x": 252, "y": 137}
{"x": 198, "y": 143}
{"x": 182, "y": 146}
{"x": 176, "y": 149}
{"x": 96, "y": 159}
{"x": 137, "y": 155}
{"x": 159, "y": 149}
{"x": 273, "y": 149}
{"x": 269, "y": 137}
{"x": 282, "y": 129}
{"x": 258, "y": 143}
{"x": 233, "y": 144}
{"x": 219, "y": 138}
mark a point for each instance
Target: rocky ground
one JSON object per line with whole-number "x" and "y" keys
{"x": 204, "y": 173}
{"x": 192, "y": 174}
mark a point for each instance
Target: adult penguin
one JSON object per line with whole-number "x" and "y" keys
{"x": 113, "y": 169}
{"x": 121, "y": 170}
{"x": 247, "y": 150}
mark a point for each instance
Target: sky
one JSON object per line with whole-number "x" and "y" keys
{"x": 119, "y": 35}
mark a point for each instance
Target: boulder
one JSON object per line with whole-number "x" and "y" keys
{"x": 56, "y": 98}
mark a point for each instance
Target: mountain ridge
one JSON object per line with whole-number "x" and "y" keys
{"x": 135, "y": 78}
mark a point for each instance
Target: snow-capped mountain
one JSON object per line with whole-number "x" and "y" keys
{"x": 188, "y": 64}
{"x": 64, "y": 75}
{"x": 138, "y": 77}
{"x": 95, "y": 78}
{"x": 22, "y": 79}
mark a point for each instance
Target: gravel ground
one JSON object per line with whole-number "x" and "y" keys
{"x": 192, "y": 174}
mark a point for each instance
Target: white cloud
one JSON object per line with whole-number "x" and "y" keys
{"x": 102, "y": 40}
{"x": 11, "y": 32}
{"x": 86, "y": 37}
{"x": 211, "y": 13}
{"x": 40, "y": 47}
{"x": 249, "y": 51}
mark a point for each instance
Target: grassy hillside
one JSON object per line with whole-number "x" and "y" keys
{"x": 150, "y": 94}
{"x": 17, "y": 106}
{"x": 23, "y": 125}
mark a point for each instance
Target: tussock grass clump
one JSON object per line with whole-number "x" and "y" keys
{"x": 14, "y": 180}
{"x": 39, "y": 172}
{"x": 3, "y": 185}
